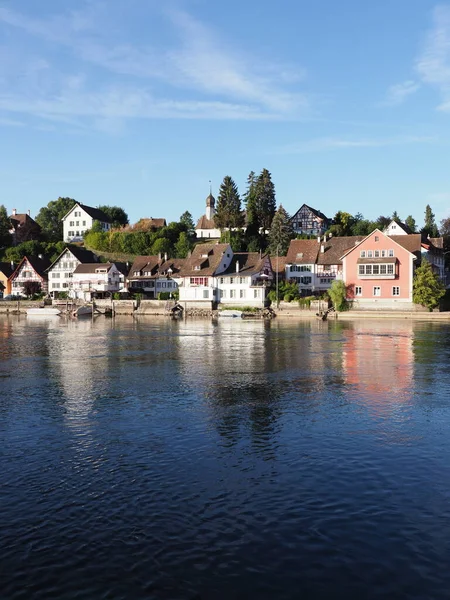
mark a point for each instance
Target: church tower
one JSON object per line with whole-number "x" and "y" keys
{"x": 210, "y": 206}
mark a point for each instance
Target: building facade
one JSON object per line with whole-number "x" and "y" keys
{"x": 80, "y": 219}
{"x": 60, "y": 272}
{"x": 310, "y": 221}
{"x": 30, "y": 269}
{"x": 95, "y": 280}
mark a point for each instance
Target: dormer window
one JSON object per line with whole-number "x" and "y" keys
{"x": 299, "y": 254}
{"x": 204, "y": 256}
{"x": 136, "y": 273}
{"x": 197, "y": 268}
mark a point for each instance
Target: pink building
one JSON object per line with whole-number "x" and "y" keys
{"x": 378, "y": 273}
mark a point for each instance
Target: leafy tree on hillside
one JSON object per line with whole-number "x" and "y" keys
{"x": 5, "y": 236}
{"x": 382, "y": 222}
{"x": 411, "y": 223}
{"x": 395, "y": 217}
{"x": 228, "y": 211}
{"x": 50, "y": 218}
{"x": 427, "y": 288}
{"x": 343, "y": 223}
{"x": 183, "y": 246}
{"x": 281, "y": 233}
{"x": 430, "y": 228}
{"x": 118, "y": 216}
{"x": 188, "y": 222}
{"x": 265, "y": 200}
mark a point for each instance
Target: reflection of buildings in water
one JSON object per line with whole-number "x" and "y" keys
{"x": 228, "y": 365}
{"x": 78, "y": 364}
{"x": 378, "y": 360}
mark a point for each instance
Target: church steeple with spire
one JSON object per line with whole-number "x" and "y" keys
{"x": 210, "y": 204}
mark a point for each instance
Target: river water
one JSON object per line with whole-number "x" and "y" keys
{"x": 189, "y": 460}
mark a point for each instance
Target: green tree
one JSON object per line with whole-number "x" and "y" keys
{"x": 281, "y": 233}
{"x": 5, "y": 236}
{"x": 411, "y": 223}
{"x": 228, "y": 211}
{"x": 50, "y": 218}
{"x": 188, "y": 222}
{"x": 251, "y": 200}
{"x": 338, "y": 295}
{"x": 382, "y": 222}
{"x": 162, "y": 246}
{"x": 395, "y": 217}
{"x": 118, "y": 216}
{"x": 265, "y": 200}
{"x": 427, "y": 289}
{"x": 343, "y": 223}
{"x": 430, "y": 228}
{"x": 183, "y": 246}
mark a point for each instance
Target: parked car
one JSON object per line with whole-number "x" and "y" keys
{"x": 13, "y": 297}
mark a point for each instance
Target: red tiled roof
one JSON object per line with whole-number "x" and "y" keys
{"x": 302, "y": 252}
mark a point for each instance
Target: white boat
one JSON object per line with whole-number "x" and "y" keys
{"x": 45, "y": 311}
{"x": 81, "y": 311}
{"x": 234, "y": 314}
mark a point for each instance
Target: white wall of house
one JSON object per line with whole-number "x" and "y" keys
{"x": 208, "y": 233}
{"x": 77, "y": 222}
{"x": 60, "y": 274}
{"x": 102, "y": 280}
{"x": 394, "y": 229}
{"x": 240, "y": 290}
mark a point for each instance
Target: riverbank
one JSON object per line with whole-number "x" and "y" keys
{"x": 153, "y": 308}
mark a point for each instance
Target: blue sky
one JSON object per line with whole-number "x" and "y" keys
{"x": 140, "y": 103}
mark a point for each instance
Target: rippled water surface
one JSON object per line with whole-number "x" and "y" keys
{"x": 190, "y": 460}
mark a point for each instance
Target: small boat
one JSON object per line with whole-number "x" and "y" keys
{"x": 82, "y": 311}
{"x": 234, "y": 314}
{"x": 44, "y": 311}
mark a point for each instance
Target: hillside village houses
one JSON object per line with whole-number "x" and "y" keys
{"x": 80, "y": 219}
{"x": 22, "y": 227}
{"x": 214, "y": 274}
{"x": 151, "y": 275}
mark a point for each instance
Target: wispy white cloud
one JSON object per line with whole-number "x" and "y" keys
{"x": 202, "y": 76}
{"x": 5, "y": 122}
{"x": 398, "y": 93}
{"x": 433, "y": 64}
{"x": 326, "y": 144}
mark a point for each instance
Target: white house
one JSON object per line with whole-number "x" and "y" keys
{"x": 95, "y": 280}
{"x": 395, "y": 228}
{"x": 214, "y": 275}
{"x": 246, "y": 281}
{"x": 80, "y": 218}
{"x": 206, "y": 227}
{"x": 60, "y": 272}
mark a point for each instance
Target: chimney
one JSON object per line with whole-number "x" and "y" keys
{"x": 165, "y": 256}
{"x": 324, "y": 238}
{"x": 330, "y": 235}
{"x": 40, "y": 256}
{"x": 14, "y": 212}
{"x": 322, "y": 249}
{"x": 29, "y": 212}
{"x": 318, "y": 239}
{"x": 12, "y": 265}
{"x": 160, "y": 256}
{"x": 237, "y": 266}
